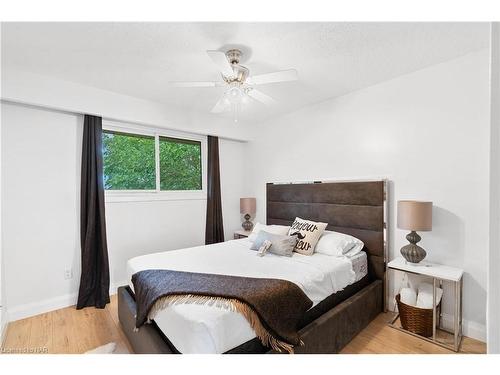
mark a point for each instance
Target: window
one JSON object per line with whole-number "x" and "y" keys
{"x": 139, "y": 160}
{"x": 180, "y": 164}
{"x": 129, "y": 161}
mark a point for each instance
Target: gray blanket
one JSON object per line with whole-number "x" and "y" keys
{"x": 272, "y": 307}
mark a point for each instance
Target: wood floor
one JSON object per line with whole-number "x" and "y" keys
{"x": 77, "y": 331}
{"x": 68, "y": 331}
{"x": 379, "y": 338}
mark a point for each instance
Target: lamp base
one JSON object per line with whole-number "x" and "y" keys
{"x": 412, "y": 252}
{"x": 247, "y": 224}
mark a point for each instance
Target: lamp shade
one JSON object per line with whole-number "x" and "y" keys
{"x": 247, "y": 205}
{"x": 415, "y": 215}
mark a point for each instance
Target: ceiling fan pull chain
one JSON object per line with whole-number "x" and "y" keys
{"x": 236, "y": 108}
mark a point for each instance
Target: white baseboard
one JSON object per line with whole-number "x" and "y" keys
{"x": 470, "y": 328}
{"x": 40, "y": 307}
{"x": 114, "y": 287}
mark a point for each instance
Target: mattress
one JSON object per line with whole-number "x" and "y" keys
{"x": 195, "y": 328}
{"x": 359, "y": 265}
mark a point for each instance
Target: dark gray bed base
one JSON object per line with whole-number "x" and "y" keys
{"x": 356, "y": 208}
{"x": 327, "y": 334}
{"x": 337, "y": 327}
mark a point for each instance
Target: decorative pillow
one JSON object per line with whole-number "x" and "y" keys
{"x": 308, "y": 233}
{"x": 337, "y": 244}
{"x": 276, "y": 229}
{"x": 281, "y": 245}
{"x": 263, "y": 249}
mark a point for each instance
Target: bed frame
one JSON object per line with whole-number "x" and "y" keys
{"x": 358, "y": 208}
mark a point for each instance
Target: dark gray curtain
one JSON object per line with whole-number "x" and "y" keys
{"x": 214, "y": 231}
{"x": 94, "y": 281}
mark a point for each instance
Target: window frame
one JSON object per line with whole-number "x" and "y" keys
{"x": 158, "y": 194}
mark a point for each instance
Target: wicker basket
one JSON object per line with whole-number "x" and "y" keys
{"x": 416, "y": 319}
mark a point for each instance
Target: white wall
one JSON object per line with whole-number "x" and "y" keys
{"x": 137, "y": 228}
{"x": 494, "y": 250}
{"x": 39, "y": 204}
{"x": 2, "y": 284}
{"x": 3, "y": 308}
{"x": 48, "y": 92}
{"x": 41, "y": 166}
{"x": 233, "y": 173}
{"x": 427, "y": 132}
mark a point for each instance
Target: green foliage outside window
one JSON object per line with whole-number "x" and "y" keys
{"x": 180, "y": 164}
{"x": 129, "y": 162}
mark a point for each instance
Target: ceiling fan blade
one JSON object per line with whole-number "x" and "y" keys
{"x": 194, "y": 84}
{"x": 261, "y": 97}
{"x": 220, "y": 106}
{"x": 220, "y": 59}
{"x": 281, "y": 76}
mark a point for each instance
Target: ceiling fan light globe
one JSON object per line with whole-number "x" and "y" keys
{"x": 234, "y": 95}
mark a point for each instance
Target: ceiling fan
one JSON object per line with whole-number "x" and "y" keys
{"x": 240, "y": 86}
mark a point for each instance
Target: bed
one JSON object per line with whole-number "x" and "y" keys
{"x": 346, "y": 293}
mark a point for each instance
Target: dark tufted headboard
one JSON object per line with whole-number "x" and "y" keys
{"x": 356, "y": 208}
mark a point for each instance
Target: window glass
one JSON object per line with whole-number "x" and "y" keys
{"x": 128, "y": 161}
{"x": 180, "y": 164}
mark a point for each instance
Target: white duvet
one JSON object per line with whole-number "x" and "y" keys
{"x": 207, "y": 329}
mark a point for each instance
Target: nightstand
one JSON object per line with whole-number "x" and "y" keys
{"x": 241, "y": 234}
{"x": 438, "y": 273}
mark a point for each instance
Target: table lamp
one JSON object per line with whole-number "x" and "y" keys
{"x": 247, "y": 208}
{"x": 414, "y": 216}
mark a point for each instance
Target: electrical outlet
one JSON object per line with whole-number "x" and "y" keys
{"x": 68, "y": 273}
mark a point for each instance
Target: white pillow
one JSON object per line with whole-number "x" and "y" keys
{"x": 356, "y": 249}
{"x": 308, "y": 233}
{"x": 338, "y": 244}
{"x": 274, "y": 229}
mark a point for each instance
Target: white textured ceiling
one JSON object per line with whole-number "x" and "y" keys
{"x": 139, "y": 59}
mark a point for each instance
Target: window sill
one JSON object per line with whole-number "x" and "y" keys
{"x": 120, "y": 197}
